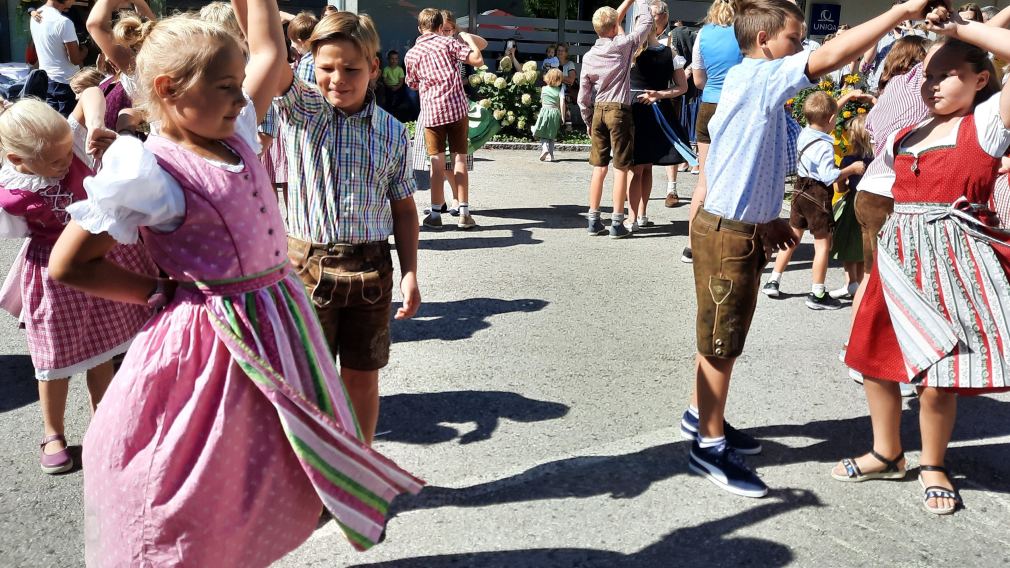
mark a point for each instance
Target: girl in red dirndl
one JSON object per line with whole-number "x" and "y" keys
{"x": 936, "y": 312}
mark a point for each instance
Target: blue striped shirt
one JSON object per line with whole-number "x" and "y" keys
{"x": 343, "y": 171}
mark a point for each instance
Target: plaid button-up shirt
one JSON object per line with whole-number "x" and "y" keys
{"x": 433, "y": 70}
{"x": 343, "y": 171}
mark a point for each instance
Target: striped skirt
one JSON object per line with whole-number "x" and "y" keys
{"x": 937, "y": 309}
{"x": 225, "y": 433}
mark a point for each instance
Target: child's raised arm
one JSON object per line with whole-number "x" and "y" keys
{"x": 990, "y": 38}
{"x": 854, "y": 42}
{"x": 267, "y": 73}
{"x": 90, "y": 113}
{"x": 100, "y": 27}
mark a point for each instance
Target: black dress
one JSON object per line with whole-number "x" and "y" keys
{"x": 653, "y": 70}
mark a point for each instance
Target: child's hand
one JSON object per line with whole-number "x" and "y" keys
{"x": 99, "y": 140}
{"x": 777, "y": 235}
{"x": 411, "y": 297}
{"x": 858, "y": 168}
{"x": 917, "y": 9}
{"x": 943, "y": 21}
{"x": 1004, "y": 165}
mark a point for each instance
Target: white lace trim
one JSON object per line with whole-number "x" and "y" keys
{"x": 10, "y": 178}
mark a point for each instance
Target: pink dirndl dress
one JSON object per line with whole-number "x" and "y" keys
{"x": 68, "y": 331}
{"x": 228, "y": 428}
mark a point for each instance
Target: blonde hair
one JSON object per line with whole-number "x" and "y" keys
{"x": 604, "y": 19}
{"x": 347, "y": 26}
{"x": 28, "y": 126}
{"x": 429, "y": 20}
{"x": 180, "y": 47}
{"x": 553, "y": 77}
{"x": 859, "y": 138}
{"x": 222, "y": 14}
{"x": 819, "y": 107}
{"x": 720, "y": 13}
{"x": 86, "y": 77}
{"x": 301, "y": 26}
{"x": 131, "y": 29}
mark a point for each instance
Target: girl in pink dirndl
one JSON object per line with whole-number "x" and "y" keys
{"x": 228, "y": 429}
{"x": 45, "y": 162}
{"x": 936, "y": 312}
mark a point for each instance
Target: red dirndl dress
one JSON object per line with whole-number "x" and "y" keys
{"x": 936, "y": 311}
{"x": 68, "y": 331}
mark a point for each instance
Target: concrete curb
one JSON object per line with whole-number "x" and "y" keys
{"x": 534, "y": 146}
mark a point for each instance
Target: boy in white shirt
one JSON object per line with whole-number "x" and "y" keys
{"x": 738, "y": 225}
{"x": 811, "y": 208}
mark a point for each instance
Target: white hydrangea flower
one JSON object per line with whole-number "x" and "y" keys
{"x": 500, "y": 83}
{"x": 499, "y": 114}
{"x": 531, "y": 76}
{"x": 486, "y": 103}
{"x": 530, "y": 66}
{"x": 475, "y": 80}
{"x": 527, "y": 99}
{"x": 518, "y": 78}
{"x": 489, "y": 78}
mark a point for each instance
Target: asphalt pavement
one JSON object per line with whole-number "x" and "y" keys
{"x": 539, "y": 392}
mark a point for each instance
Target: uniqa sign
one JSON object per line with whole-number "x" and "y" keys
{"x": 824, "y": 19}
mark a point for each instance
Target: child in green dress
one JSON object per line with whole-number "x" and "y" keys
{"x": 549, "y": 121}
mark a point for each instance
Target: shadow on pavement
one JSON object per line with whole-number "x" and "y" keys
{"x": 703, "y": 546}
{"x": 461, "y": 319}
{"x": 519, "y": 237}
{"x": 421, "y": 418}
{"x": 17, "y": 382}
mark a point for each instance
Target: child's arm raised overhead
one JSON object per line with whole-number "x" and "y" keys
{"x": 643, "y": 24}
{"x": 992, "y": 39}
{"x": 475, "y": 58}
{"x": 622, "y": 12}
{"x": 99, "y": 25}
{"x": 478, "y": 41}
{"x": 1000, "y": 20}
{"x": 267, "y": 73}
{"x": 854, "y": 42}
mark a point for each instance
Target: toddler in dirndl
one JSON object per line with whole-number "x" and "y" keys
{"x": 45, "y": 162}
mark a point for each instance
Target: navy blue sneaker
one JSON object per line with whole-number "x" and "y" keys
{"x": 619, "y": 231}
{"x": 724, "y": 467}
{"x": 596, "y": 227}
{"x": 742, "y": 443}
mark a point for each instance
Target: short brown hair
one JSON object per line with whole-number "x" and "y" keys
{"x": 755, "y": 16}
{"x": 819, "y": 107}
{"x": 429, "y": 20}
{"x": 301, "y": 26}
{"x": 976, "y": 12}
{"x": 347, "y": 26}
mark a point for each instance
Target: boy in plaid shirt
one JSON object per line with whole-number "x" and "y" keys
{"x": 350, "y": 187}
{"x": 433, "y": 70}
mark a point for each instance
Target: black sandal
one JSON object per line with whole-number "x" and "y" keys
{"x": 853, "y": 474}
{"x": 938, "y": 491}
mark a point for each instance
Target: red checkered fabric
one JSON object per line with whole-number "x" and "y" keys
{"x": 432, "y": 69}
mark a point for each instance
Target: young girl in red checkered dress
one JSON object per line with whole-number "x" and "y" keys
{"x": 935, "y": 312}
{"x": 45, "y": 161}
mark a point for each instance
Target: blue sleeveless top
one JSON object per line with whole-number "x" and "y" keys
{"x": 720, "y": 52}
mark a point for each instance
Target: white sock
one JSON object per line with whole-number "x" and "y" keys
{"x": 464, "y": 209}
{"x": 642, "y": 219}
{"x": 671, "y": 187}
{"x": 711, "y": 442}
{"x": 617, "y": 218}
{"x": 594, "y": 213}
{"x": 692, "y": 410}
{"x": 817, "y": 289}
{"x": 776, "y": 276}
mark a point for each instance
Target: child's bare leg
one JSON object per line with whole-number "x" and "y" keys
{"x": 671, "y": 174}
{"x": 620, "y": 190}
{"x": 634, "y": 192}
{"x": 437, "y": 179}
{"x": 596, "y": 187}
{"x": 937, "y": 413}
{"x": 461, "y": 179}
{"x": 646, "y": 190}
{"x": 99, "y": 379}
{"x": 884, "y": 400}
{"x": 822, "y": 254}
{"x": 712, "y": 390}
{"x": 53, "y": 399}
{"x": 363, "y": 389}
